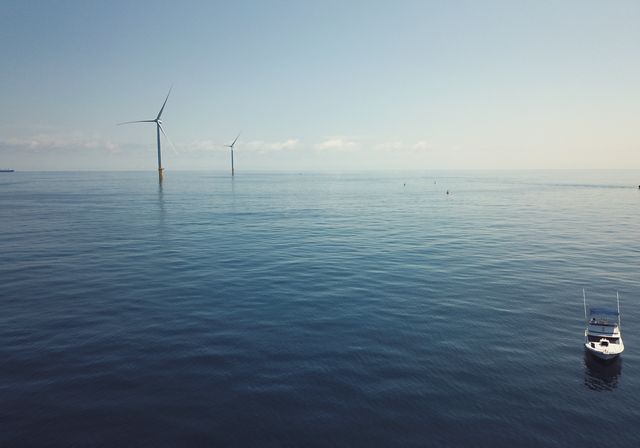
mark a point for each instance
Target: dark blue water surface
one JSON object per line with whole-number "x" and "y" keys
{"x": 316, "y": 309}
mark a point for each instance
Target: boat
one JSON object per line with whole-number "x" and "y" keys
{"x": 6, "y": 171}
{"x": 602, "y": 337}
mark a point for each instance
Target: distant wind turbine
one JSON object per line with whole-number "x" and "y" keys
{"x": 231, "y": 146}
{"x": 159, "y": 129}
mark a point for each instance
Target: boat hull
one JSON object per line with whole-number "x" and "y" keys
{"x": 600, "y": 354}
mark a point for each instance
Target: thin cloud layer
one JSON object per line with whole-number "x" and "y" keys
{"x": 261, "y": 146}
{"x": 397, "y": 146}
{"x": 338, "y": 144}
{"x": 58, "y": 143}
{"x": 253, "y": 145}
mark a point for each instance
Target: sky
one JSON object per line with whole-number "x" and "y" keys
{"x": 321, "y": 85}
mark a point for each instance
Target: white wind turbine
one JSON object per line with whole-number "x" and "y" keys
{"x": 231, "y": 147}
{"x": 159, "y": 129}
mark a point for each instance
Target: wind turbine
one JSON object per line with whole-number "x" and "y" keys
{"x": 231, "y": 146}
{"x": 159, "y": 129}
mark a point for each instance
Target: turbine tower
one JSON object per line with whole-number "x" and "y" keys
{"x": 159, "y": 129}
{"x": 231, "y": 146}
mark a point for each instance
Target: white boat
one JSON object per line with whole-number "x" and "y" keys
{"x": 602, "y": 336}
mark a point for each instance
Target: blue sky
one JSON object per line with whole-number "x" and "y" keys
{"x": 321, "y": 85}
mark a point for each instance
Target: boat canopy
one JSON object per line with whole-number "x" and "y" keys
{"x": 603, "y": 312}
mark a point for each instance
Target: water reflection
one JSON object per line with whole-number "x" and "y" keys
{"x": 233, "y": 195}
{"x": 161, "y": 200}
{"x": 601, "y": 375}
{"x": 161, "y": 212}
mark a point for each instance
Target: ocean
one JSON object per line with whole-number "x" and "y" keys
{"x": 316, "y": 309}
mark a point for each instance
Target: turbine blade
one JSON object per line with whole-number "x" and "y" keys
{"x": 137, "y": 121}
{"x": 234, "y": 142}
{"x": 168, "y": 139}
{"x": 165, "y": 102}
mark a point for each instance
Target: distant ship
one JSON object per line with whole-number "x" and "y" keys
{"x": 7, "y": 171}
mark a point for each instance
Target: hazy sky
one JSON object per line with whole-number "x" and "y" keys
{"x": 321, "y": 85}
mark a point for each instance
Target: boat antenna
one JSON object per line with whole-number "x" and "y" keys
{"x": 618, "y": 299}
{"x": 584, "y": 299}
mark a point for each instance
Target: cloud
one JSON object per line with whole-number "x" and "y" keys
{"x": 58, "y": 143}
{"x": 397, "y": 146}
{"x": 254, "y": 145}
{"x": 422, "y": 146}
{"x": 338, "y": 144}
{"x": 261, "y": 146}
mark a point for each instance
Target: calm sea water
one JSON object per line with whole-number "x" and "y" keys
{"x": 316, "y": 309}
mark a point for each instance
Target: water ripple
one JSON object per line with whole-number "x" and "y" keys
{"x": 315, "y": 310}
